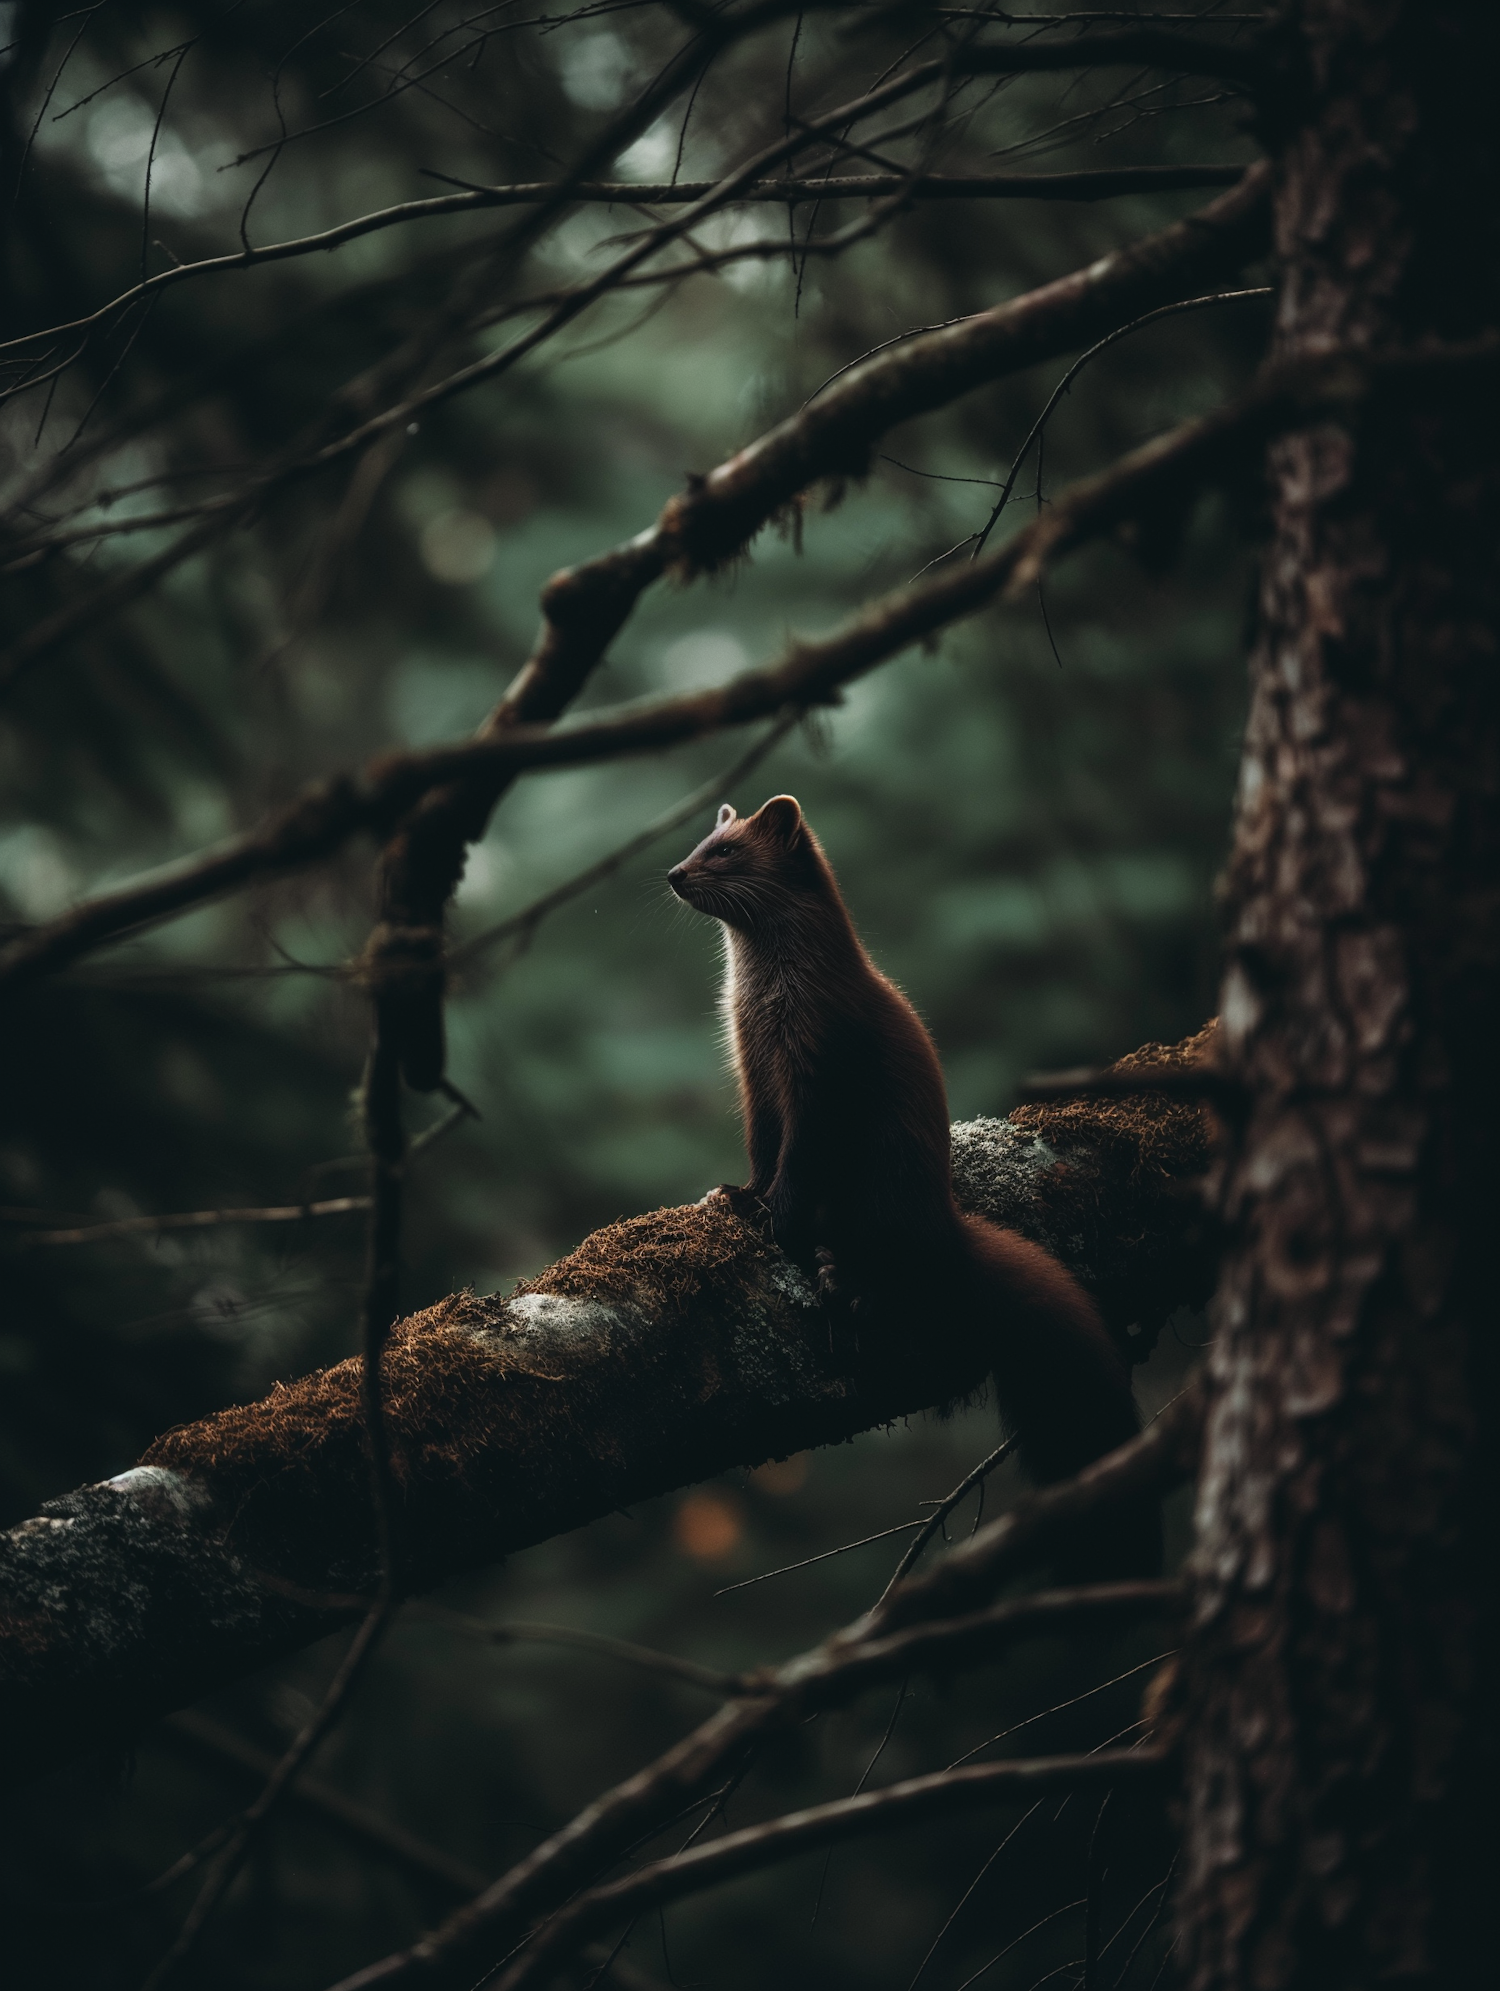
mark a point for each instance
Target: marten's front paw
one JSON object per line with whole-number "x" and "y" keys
{"x": 831, "y": 1290}
{"x": 743, "y": 1203}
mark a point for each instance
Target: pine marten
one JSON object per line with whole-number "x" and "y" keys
{"x": 846, "y": 1122}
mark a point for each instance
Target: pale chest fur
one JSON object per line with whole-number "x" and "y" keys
{"x": 764, "y": 1005}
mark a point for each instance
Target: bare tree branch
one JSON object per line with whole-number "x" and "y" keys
{"x": 935, "y": 1521}
{"x": 584, "y": 607}
{"x": 227, "y": 1860}
{"x": 203, "y": 1738}
{"x": 1163, "y": 474}
{"x": 193, "y": 1220}
{"x": 523, "y": 924}
{"x": 711, "y": 1679}
{"x": 800, "y": 1831}
{"x": 710, "y": 522}
{"x": 1095, "y": 183}
{"x": 222, "y": 513}
{"x": 858, "y": 1657}
{"x": 1100, "y": 183}
{"x": 663, "y": 1351}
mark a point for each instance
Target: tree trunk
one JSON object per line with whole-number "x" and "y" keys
{"x": 1340, "y": 1805}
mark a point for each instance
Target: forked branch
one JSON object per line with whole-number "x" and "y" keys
{"x": 1164, "y": 472}
{"x": 921, "y": 1624}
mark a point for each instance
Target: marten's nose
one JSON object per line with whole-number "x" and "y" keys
{"x": 675, "y": 877}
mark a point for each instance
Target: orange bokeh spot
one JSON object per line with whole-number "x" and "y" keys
{"x": 707, "y": 1525}
{"x": 782, "y": 1476}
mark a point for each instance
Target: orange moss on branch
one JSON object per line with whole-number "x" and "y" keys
{"x": 1158, "y": 1131}
{"x": 662, "y": 1349}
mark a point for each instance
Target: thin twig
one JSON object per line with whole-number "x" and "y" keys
{"x": 1161, "y": 1886}
{"x": 244, "y": 1830}
{"x": 195, "y": 1220}
{"x": 201, "y": 1220}
{"x": 1015, "y": 1943}
{"x": 711, "y": 1679}
{"x": 205, "y": 1737}
{"x": 864, "y": 1777}
{"x": 940, "y": 1513}
{"x": 1059, "y": 1707}
{"x": 1094, "y": 1909}
{"x": 524, "y": 923}
{"x": 1039, "y": 425}
{"x": 823, "y": 1555}
{"x": 968, "y": 1893}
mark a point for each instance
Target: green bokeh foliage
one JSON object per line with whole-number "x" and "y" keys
{"x": 1027, "y": 826}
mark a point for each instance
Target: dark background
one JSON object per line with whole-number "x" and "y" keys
{"x": 1027, "y": 826}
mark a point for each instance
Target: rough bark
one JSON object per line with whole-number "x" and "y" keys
{"x": 663, "y": 1350}
{"x": 1338, "y": 1694}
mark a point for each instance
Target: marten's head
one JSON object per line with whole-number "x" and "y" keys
{"x": 754, "y": 871}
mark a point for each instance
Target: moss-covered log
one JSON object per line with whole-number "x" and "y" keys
{"x": 664, "y": 1349}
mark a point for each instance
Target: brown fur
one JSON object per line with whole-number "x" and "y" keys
{"x": 846, "y": 1122}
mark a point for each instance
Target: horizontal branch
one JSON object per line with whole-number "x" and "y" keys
{"x": 1230, "y": 224}
{"x": 1147, "y": 48}
{"x": 1090, "y": 185}
{"x": 327, "y": 815}
{"x": 330, "y": 812}
{"x": 193, "y": 1220}
{"x": 938, "y": 73}
{"x": 711, "y": 1679}
{"x": 1099, "y": 183}
{"x": 1158, "y": 474}
{"x": 522, "y": 925}
{"x": 663, "y": 1351}
{"x": 757, "y": 1846}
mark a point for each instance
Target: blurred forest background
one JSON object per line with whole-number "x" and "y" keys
{"x": 1027, "y": 824}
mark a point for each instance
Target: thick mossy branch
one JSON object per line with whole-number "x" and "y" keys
{"x": 1163, "y": 1144}
{"x": 663, "y": 1350}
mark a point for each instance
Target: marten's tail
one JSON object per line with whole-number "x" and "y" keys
{"x": 1063, "y": 1388}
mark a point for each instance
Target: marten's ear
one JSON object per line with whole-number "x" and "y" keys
{"x": 726, "y": 815}
{"x": 780, "y": 818}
